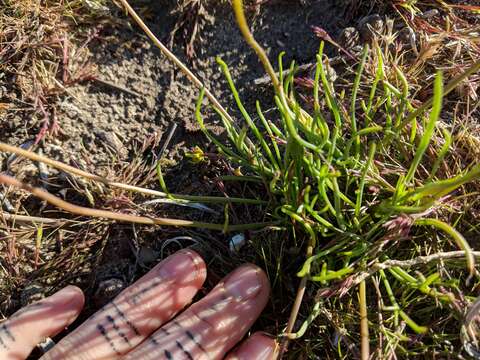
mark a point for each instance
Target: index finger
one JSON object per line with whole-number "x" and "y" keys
{"x": 47, "y": 317}
{"x": 138, "y": 311}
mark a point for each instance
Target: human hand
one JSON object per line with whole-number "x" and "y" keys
{"x": 138, "y": 325}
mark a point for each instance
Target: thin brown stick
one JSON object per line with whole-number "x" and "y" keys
{"x": 116, "y": 86}
{"x": 420, "y": 260}
{"x": 365, "y": 339}
{"x": 31, "y": 219}
{"x": 84, "y": 211}
{"x": 185, "y": 70}
{"x": 56, "y": 164}
{"x": 296, "y": 307}
{"x": 73, "y": 170}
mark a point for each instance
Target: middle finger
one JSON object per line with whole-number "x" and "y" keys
{"x": 136, "y": 312}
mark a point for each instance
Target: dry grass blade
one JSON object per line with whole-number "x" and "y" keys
{"x": 73, "y": 170}
{"x": 365, "y": 340}
{"x": 32, "y": 219}
{"x": 422, "y": 260}
{"x": 186, "y": 71}
{"x": 84, "y": 211}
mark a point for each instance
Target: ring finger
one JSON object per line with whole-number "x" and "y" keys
{"x": 211, "y": 327}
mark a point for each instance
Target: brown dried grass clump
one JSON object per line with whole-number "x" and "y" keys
{"x": 445, "y": 37}
{"x": 43, "y": 51}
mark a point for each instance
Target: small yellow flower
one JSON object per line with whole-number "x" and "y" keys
{"x": 196, "y": 155}
{"x": 238, "y": 172}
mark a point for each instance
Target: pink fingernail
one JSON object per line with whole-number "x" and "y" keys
{"x": 180, "y": 265}
{"x": 67, "y": 295}
{"x": 244, "y": 283}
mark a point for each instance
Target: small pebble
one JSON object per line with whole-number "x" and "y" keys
{"x": 107, "y": 290}
{"x": 237, "y": 242}
{"x": 430, "y": 14}
{"x": 408, "y": 38}
{"x": 370, "y": 26}
{"x": 6, "y": 204}
{"x": 349, "y": 38}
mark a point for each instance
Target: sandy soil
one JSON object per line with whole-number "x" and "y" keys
{"x": 94, "y": 115}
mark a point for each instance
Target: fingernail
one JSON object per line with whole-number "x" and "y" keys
{"x": 67, "y": 296}
{"x": 181, "y": 265}
{"x": 244, "y": 283}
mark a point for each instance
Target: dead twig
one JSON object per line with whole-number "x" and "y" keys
{"x": 184, "y": 69}
{"x": 365, "y": 339}
{"x": 73, "y": 170}
{"x": 422, "y": 260}
{"x": 32, "y": 219}
{"x": 171, "y": 132}
{"x": 117, "y": 87}
{"x": 97, "y": 213}
{"x": 355, "y": 280}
